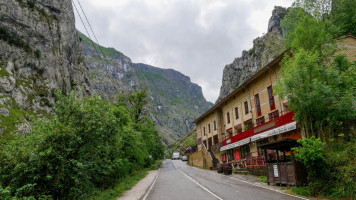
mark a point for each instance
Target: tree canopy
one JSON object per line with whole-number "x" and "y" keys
{"x": 318, "y": 83}
{"x": 89, "y": 143}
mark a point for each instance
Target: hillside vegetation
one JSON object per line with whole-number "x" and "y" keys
{"x": 88, "y": 144}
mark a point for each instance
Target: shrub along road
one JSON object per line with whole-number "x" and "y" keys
{"x": 176, "y": 180}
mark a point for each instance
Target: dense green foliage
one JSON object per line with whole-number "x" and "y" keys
{"x": 318, "y": 84}
{"x": 343, "y": 15}
{"x": 88, "y": 144}
{"x": 331, "y": 168}
{"x": 320, "y": 87}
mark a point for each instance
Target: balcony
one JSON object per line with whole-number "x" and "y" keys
{"x": 257, "y": 129}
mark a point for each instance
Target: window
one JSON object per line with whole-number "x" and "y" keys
{"x": 248, "y": 125}
{"x": 258, "y": 106}
{"x": 216, "y": 139}
{"x": 209, "y": 128}
{"x": 214, "y": 125}
{"x": 228, "y": 117}
{"x": 260, "y": 121}
{"x": 246, "y": 107}
{"x": 199, "y": 141}
{"x": 237, "y": 112}
{"x": 273, "y": 115}
{"x": 204, "y": 131}
{"x": 271, "y": 98}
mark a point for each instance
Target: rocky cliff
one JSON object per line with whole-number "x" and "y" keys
{"x": 40, "y": 52}
{"x": 264, "y": 50}
{"x": 174, "y": 101}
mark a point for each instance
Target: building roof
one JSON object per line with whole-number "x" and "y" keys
{"x": 243, "y": 85}
{"x": 264, "y": 69}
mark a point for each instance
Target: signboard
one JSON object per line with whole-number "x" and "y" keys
{"x": 275, "y": 170}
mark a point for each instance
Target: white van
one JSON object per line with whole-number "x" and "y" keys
{"x": 175, "y": 156}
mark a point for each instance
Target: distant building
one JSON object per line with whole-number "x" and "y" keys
{"x": 250, "y": 116}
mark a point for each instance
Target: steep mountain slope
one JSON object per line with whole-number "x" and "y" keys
{"x": 174, "y": 100}
{"x": 264, "y": 50}
{"x": 39, "y": 53}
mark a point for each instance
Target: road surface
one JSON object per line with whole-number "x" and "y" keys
{"x": 178, "y": 181}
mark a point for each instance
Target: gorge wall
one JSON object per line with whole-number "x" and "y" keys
{"x": 174, "y": 101}
{"x": 40, "y": 53}
{"x": 264, "y": 50}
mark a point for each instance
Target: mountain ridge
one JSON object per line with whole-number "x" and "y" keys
{"x": 170, "y": 92}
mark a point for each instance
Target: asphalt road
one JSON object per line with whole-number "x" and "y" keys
{"x": 178, "y": 181}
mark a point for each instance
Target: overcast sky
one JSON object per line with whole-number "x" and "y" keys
{"x": 195, "y": 37}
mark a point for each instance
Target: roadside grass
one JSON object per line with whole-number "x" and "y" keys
{"x": 304, "y": 191}
{"x": 263, "y": 179}
{"x": 123, "y": 185}
{"x": 117, "y": 191}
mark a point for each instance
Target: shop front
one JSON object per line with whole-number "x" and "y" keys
{"x": 243, "y": 150}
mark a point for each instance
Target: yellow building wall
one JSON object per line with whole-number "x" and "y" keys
{"x": 205, "y": 123}
{"x": 258, "y": 86}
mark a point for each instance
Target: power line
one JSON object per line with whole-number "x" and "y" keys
{"x": 93, "y": 44}
{"x": 80, "y": 5}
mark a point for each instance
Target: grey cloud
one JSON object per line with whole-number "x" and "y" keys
{"x": 175, "y": 35}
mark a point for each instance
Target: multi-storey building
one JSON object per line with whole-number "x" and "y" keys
{"x": 252, "y": 115}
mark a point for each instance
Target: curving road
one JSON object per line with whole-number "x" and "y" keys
{"x": 178, "y": 181}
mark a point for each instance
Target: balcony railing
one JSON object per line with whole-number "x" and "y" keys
{"x": 257, "y": 129}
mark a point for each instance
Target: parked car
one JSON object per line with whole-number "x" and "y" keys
{"x": 175, "y": 156}
{"x": 184, "y": 158}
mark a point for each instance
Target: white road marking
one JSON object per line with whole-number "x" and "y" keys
{"x": 149, "y": 190}
{"x": 254, "y": 184}
{"x": 196, "y": 182}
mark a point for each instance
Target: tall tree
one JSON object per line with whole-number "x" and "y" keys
{"x": 318, "y": 84}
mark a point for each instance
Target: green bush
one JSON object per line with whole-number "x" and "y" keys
{"x": 331, "y": 168}
{"x": 88, "y": 144}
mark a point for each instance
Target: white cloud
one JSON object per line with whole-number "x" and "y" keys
{"x": 195, "y": 37}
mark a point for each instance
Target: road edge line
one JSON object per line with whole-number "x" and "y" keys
{"x": 260, "y": 186}
{"x": 150, "y": 188}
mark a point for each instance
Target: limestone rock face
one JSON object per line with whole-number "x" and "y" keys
{"x": 110, "y": 71}
{"x": 175, "y": 101}
{"x": 264, "y": 50}
{"x": 39, "y": 53}
{"x": 274, "y": 23}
